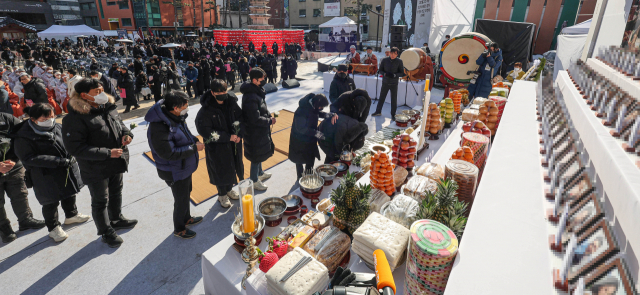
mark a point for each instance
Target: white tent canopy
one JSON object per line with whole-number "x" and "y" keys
{"x": 339, "y": 23}
{"x": 570, "y": 45}
{"x": 579, "y": 29}
{"x": 56, "y": 31}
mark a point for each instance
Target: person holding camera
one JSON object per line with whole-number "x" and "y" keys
{"x": 392, "y": 69}
{"x": 489, "y": 64}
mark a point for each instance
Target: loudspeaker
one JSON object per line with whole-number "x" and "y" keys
{"x": 291, "y": 83}
{"x": 397, "y": 37}
{"x": 269, "y": 87}
{"x": 398, "y": 29}
{"x": 398, "y": 44}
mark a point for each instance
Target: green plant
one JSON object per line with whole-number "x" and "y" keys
{"x": 543, "y": 61}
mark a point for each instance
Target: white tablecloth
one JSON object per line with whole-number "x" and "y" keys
{"x": 504, "y": 249}
{"x": 370, "y": 83}
{"x": 625, "y": 83}
{"x": 615, "y": 168}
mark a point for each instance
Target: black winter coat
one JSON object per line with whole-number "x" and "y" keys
{"x": 391, "y": 66}
{"x": 36, "y": 91}
{"x": 138, "y": 66}
{"x": 9, "y": 126}
{"x": 346, "y": 134}
{"x": 141, "y": 82}
{"x": 126, "y": 82}
{"x": 289, "y": 67}
{"x": 243, "y": 68}
{"x": 108, "y": 87}
{"x": 90, "y": 133}
{"x": 348, "y": 104}
{"x": 303, "y": 144}
{"x": 258, "y": 145}
{"x": 43, "y": 157}
{"x": 340, "y": 86}
{"x": 267, "y": 64}
{"x": 224, "y": 158}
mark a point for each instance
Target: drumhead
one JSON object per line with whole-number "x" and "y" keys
{"x": 458, "y": 56}
{"x": 410, "y": 59}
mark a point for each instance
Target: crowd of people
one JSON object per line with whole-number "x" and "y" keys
{"x": 90, "y": 147}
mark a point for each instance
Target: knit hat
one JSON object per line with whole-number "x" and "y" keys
{"x": 342, "y": 68}
{"x": 352, "y": 47}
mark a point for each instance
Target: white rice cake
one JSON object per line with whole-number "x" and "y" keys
{"x": 379, "y": 232}
{"x": 313, "y": 277}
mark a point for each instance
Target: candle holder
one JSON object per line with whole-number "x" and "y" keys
{"x": 249, "y": 255}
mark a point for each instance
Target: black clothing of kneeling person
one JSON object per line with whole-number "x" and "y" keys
{"x": 355, "y": 104}
{"x": 303, "y": 147}
{"x": 346, "y": 134}
{"x": 50, "y": 170}
{"x": 95, "y": 135}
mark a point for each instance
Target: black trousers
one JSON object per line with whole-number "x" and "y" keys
{"x": 394, "y": 98}
{"x": 50, "y": 211}
{"x": 307, "y": 166}
{"x": 106, "y": 202}
{"x": 231, "y": 80}
{"x": 224, "y": 189}
{"x": 192, "y": 85}
{"x": 270, "y": 77}
{"x": 157, "y": 95}
{"x": 13, "y": 185}
{"x": 181, "y": 191}
{"x": 200, "y": 87}
{"x": 331, "y": 158}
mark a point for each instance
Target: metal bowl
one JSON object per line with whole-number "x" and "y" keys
{"x": 327, "y": 171}
{"x": 342, "y": 167}
{"x": 402, "y": 118}
{"x": 379, "y": 148}
{"x": 311, "y": 183}
{"x": 293, "y": 202}
{"x": 410, "y": 113}
{"x": 236, "y": 228}
{"x": 272, "y": 208}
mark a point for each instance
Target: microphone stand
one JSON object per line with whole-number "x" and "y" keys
{"x": 407, "y": 81}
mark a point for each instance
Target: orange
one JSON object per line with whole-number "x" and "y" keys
{"x": 382, "y": 170}
{"x": 468, "y": 156}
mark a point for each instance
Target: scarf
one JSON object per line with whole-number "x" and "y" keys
{"x": 44, "y": 131}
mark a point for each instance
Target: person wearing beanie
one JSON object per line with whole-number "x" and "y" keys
{"x": 341, "y": 83}
{"x": 371, "y": 59}
{"x": 517, "y": 73}
{"x": 303, "y": 141}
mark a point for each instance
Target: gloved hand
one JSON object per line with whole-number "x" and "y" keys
{"x": 485, "y": 53}
{"x": 320, "y": 135}
{"x": 390, "y": 75}
{"x": 342, "y": 277}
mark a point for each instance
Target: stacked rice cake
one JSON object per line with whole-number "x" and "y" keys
{"x": 313, "y": 277}
{"x": 379, "y": 232}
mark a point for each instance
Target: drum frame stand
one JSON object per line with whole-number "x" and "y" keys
{"x": 406, "y": 86}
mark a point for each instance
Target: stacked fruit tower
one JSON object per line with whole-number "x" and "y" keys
{"x": 404, "y": 151}
{"x": 489, "y": 115}
{"x": 351, "y": 203}
{"x": 432, "y": 250}
{"x": 463, "y": 153}
{"x": 500, "y": 102}
{"x": 446, "y": 110}
{"x": 382, "y": 173}
{"x": 457, "y": 101}
{"x": 433, "y": 119}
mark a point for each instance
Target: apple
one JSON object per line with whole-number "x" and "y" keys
{"x": 410, "y": 164}
{"x": 412, "y": 150}
{"x": 394, "y": 155}
{"x": 404, "y": 145}
{"x": 403, "y": 165}
{"x": 394, "y": 148}
{"x": 394, "y": 161}
{"x": 396, "y": 140}
{"x": 403, "y": 159}
{"x": 411, "y": 156}
{"x": 413, "y": 142}
{"x": 406, "y": 137}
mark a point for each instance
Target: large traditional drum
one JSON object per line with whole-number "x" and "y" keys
{"x": 458, "y": 56}
{"x": 417, "y": 64}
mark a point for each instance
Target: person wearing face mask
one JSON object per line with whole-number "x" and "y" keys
{"x": 191, "y": 73}
{"x": 138, "y": 66}
{"x": 489, "y": 64}
{"x": 517, "y": 73}
{"x": 243, "y": 69}
{"x": 126, "y": 83}
{"x": 267, "y": 66}
{"x": 106, "y": 83}
{"x": 223, "y": 156}
{"x": 8, "y": 56}
{"x": 218, "y": 69}
{"x": 231, "y": 68}
{"x": 289, "y": 68}
{"x": 72, "y": 80}
{"x": 96, "y": 136}
{"x": 35, "y": 90}
{"x": 175, "y": 151}
{"x": 258, "y": 145}
{"x": 252, "y": 61}
{"x": 341, "y": 83}
{"x": 39, "y": 147}
{"x": 392, "y": 69}
{"x": 303, "y": 141}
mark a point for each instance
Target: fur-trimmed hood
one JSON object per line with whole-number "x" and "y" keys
{"x": 81, "y": 106}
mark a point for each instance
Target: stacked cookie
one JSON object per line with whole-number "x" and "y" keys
{"x": 313, "y": 277}
{"x": 379, "y": 232}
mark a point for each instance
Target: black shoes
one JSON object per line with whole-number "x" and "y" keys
{"x": 194, "y": 220}
{"x": 123, "y": 223}
{"x": 7, "y": 233}
{"x": 31, "y": 223}
{"x": 185, "y": 234}
{"x": 376, "y": 114}
{"x": 112, "y": 239}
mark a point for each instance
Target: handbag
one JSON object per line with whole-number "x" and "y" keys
{"x": 123, "y": 93}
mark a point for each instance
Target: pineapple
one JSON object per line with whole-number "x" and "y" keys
{"x": 444, "y": 207}
{"x": 351, "y": 191}
{"x": 341, "y": 213}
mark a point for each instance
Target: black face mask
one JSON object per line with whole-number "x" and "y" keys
{"x": 342, "y": 75}
{"x": 263, "y": 82}
{"x": 222, "y": 97}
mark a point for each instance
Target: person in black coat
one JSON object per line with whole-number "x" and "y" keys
{"x": 218, "y": 69}
{"x": 243, "y": 69}
{"x": 355, "y": 104}
{"x": 50, "y": 169}
{"x": 138, "y": 66}
{"x": 267, "y": 66}
{"x": 96, "y": 136}
{"x": 289, "y": 68}
{"x": 341, "y": 83}
{"x": 347, "y": 134}
{"x": 258, "y": 145}
{"x": 206, "y": 70}
{"x": 127, "y": 83}
{"x": 12, "y": 181}
{"x": 274, "y": 47}
{"x": 34, "y": 89}
{"x": 264, "y": 48}
{"x": 106, "y": 83}
{"x": 252, "y": 47}
{"x": 303, "y": 141}
{"x": 392, "y": 69}
{"x": 141, "y": 82}
{"x": 219, "y": 113}
{"x": 155, "y": 82}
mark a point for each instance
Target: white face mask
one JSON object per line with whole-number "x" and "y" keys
{"x": 47, "y": 123}
{"x": 101, "y": 98}
{"x": 184, "y": 112}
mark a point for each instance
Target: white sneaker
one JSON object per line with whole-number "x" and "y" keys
{"x": 224, "y": 201}
{"x": 80, "y": 218}
{"x": 259, "y": 186}
{"x": 58, "y": 235}
{"x": 264, "y": 176}
{"x": 233, "y": 195}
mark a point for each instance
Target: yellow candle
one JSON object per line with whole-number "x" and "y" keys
{"x": 248, "y": 217}
{"x": 426, "y": 85}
